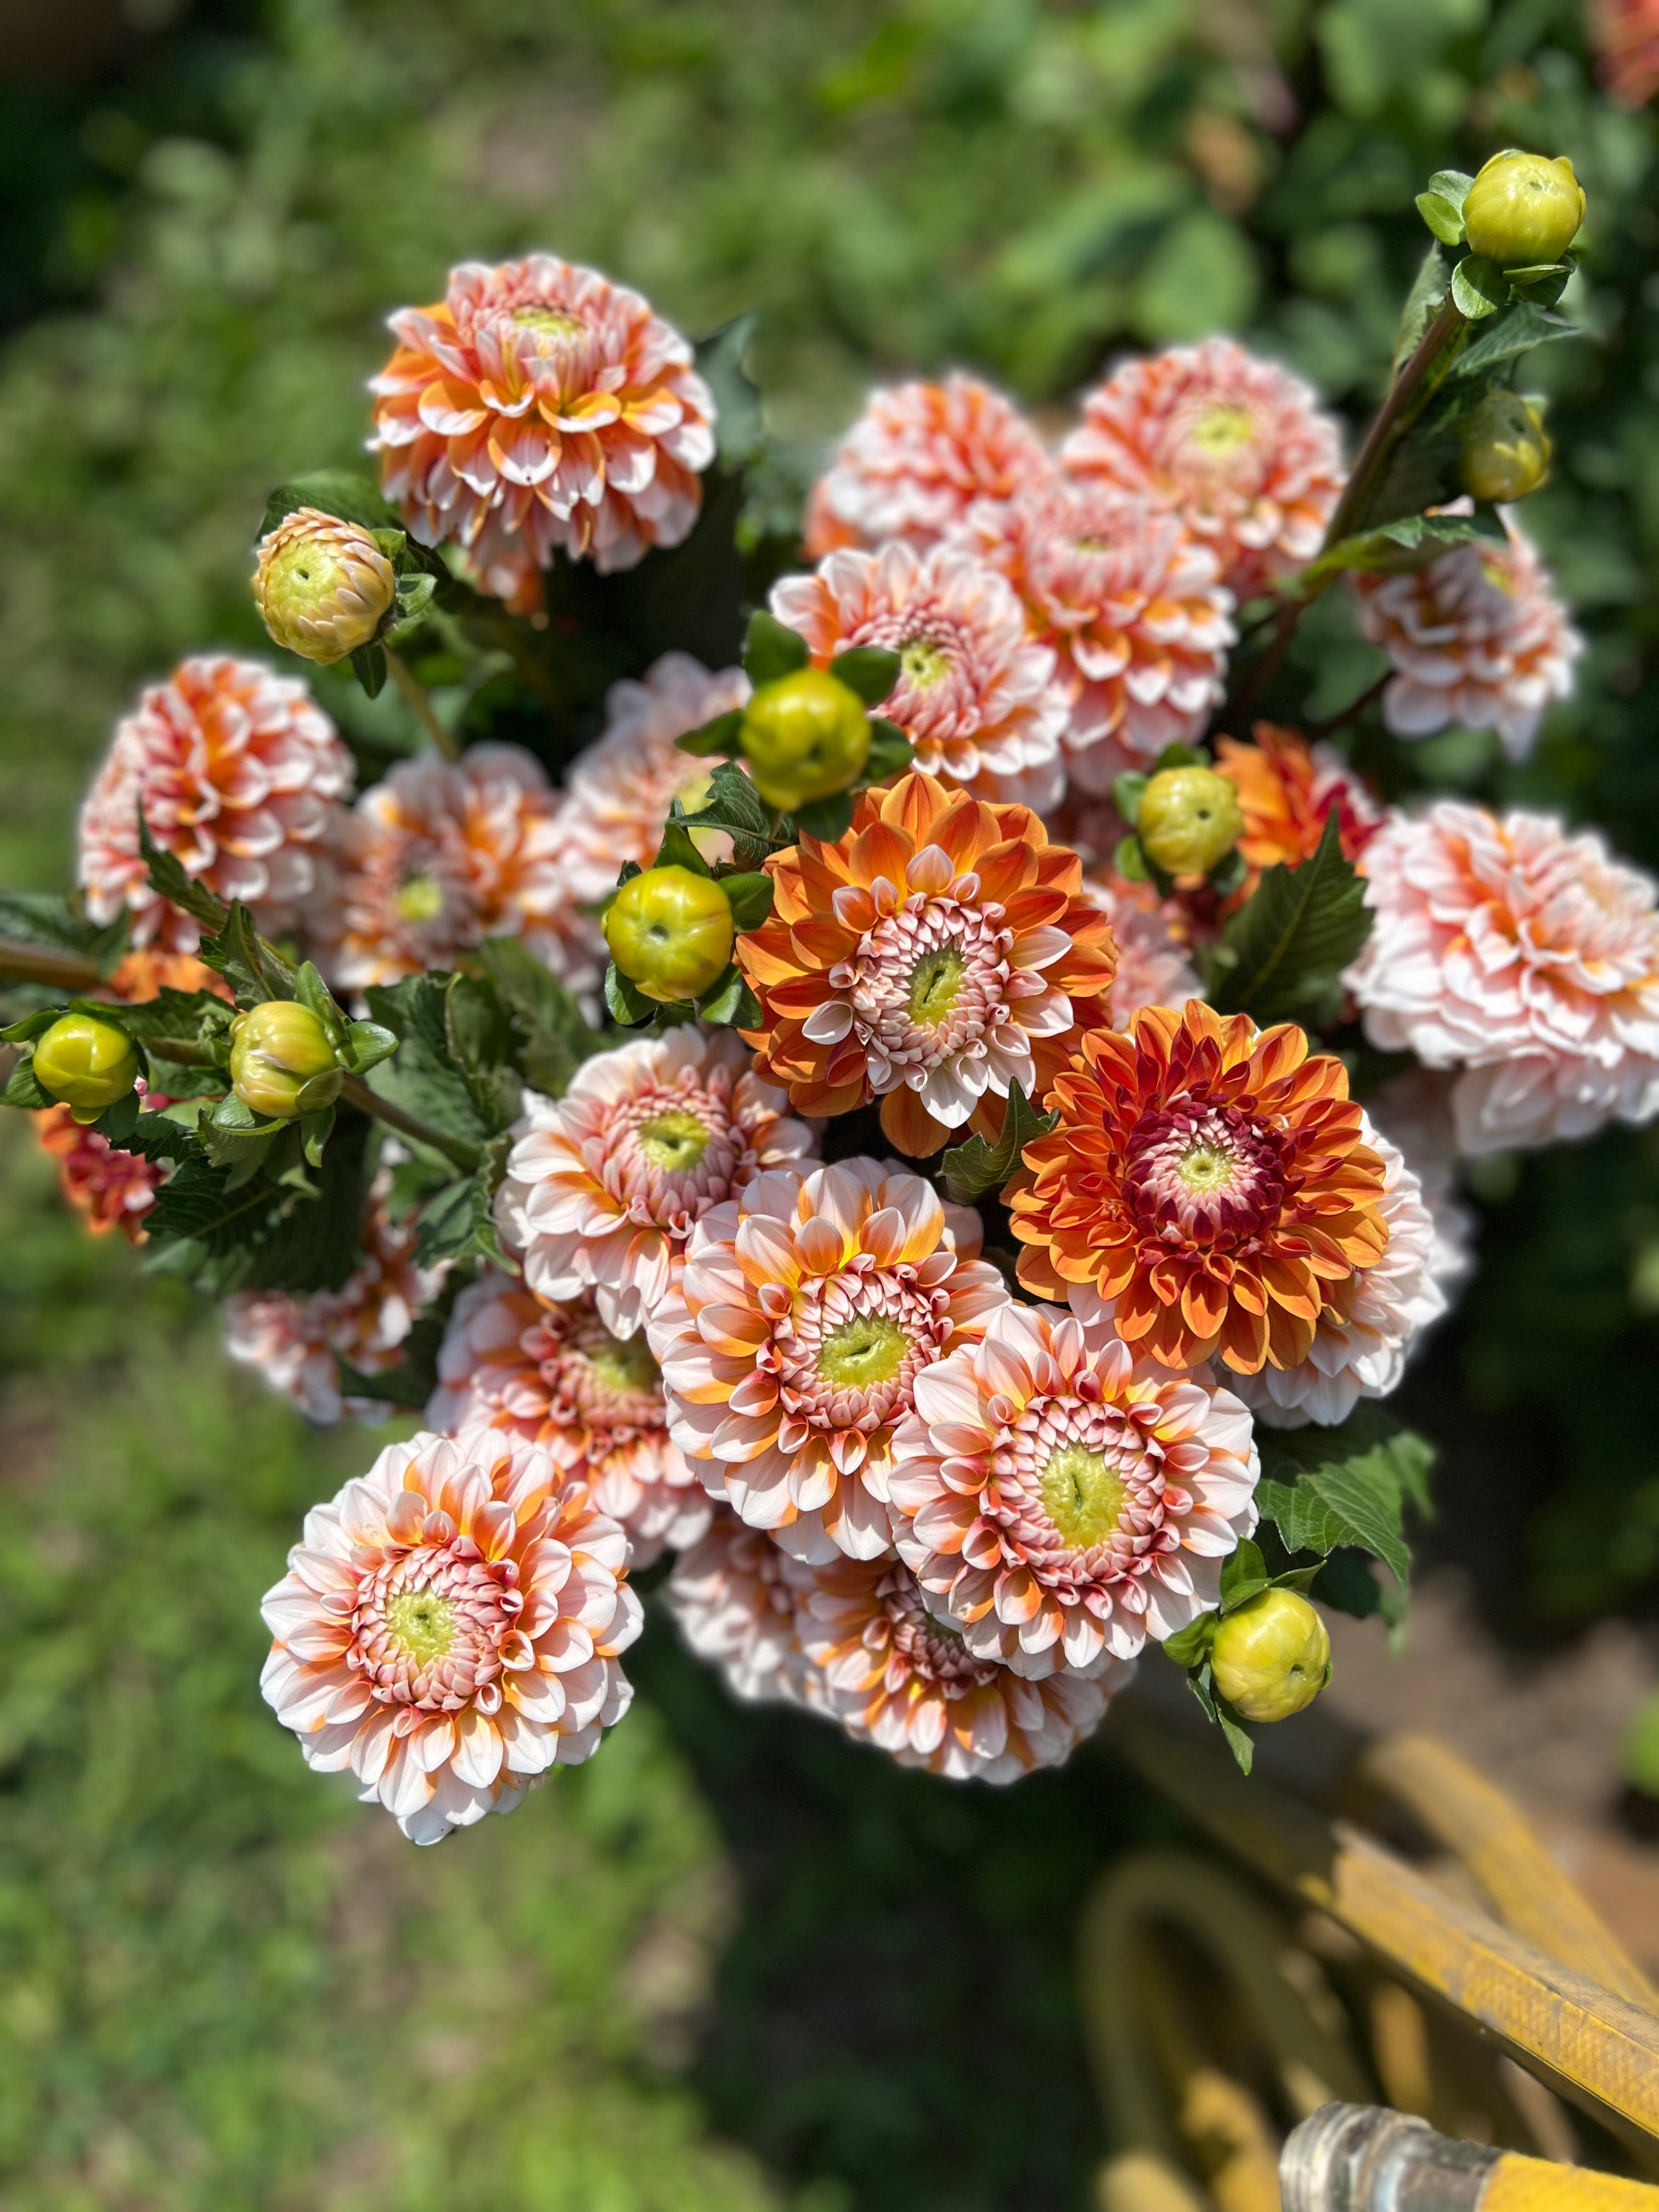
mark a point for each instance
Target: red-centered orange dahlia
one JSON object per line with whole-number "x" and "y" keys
{"x": 1286, "y": 790}
{"x": 1625, "y": 36}
{"x": 940, "y": 950}
{"x": 538, "y": 406}
{"x": 108, "y": 1187}
{"x": 237, "y": 770}
{"x": 733, "y": 1595}
{"x": 1208, "y": 1188}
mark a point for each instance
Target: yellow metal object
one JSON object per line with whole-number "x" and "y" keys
{"x": 1141, "y": 2181}
{"x": 1529, "y": 2184}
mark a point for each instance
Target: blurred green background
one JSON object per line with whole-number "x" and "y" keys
{"x": 733, "y": 1962}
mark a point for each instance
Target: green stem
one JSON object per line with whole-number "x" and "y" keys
{"x": 355, "y": 1093}
{"x": 40, "y": 963}
{"x": 415, "y": 698}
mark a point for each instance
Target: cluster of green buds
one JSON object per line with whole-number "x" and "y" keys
{"x": 1184, "y": 820}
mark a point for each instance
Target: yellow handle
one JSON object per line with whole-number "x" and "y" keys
{"x": 1529, "y": 2184}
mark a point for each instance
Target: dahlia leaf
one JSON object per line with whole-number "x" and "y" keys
{"x": 1423, "y": 303}
{"x": 1128, "y": 791}
{"x": 1452, "y": 185}
{"x": 826, "y": 818}
{"x": 421, "y": 1077}
{"x": 1190, "y": 1645}
{"x": 1347, "y": 1487}
{"x": 460, "y": 1222}
{"x": 720, "y": 736}
{"x": 479, "y": 1040}
{"x": 1479, "y": 287}
{"x": 971, "y": 1170}
{"x": 772, "y": 650}
{"x": 255, "y": 971}
{"x": 169, "y": 880}
{"x": 733, "y": 805}
{"x": 869, "y": 671}
{"x": 24, "y": 1088}
{"x": 1518, "y": 330}
{"x": 1239, "y": 1742}
{"x": 368, "y": 665}
{"x": 750, "y": 895}
{"x": 1283, "y": 953}
{"x": 44, "y": 918}
{"x": 730, "y": 1001}
{"x": 341, "y": 493}
{"x": 1443, "y": 218}
{"x": 1243, "y": 1576}
{"x": 554, "y": 1034}
{"x": 1346, "y": 1585}
{"x": 159, "y": 1137}
{"x": 890, "y": 751}
{"x": 628, "y": 1004}
{"x": 116, "y": 1123}
{"x": 676, "y": 850}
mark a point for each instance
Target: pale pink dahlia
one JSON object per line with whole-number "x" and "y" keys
{"x": 1131, "y": 603}
{"x": 555, "y": 1376}
{"x": 617, "y": 792}
{"x": 893, "y": 1673}
{"x": 1153, "y": 966}
{"x": 976, "y": 698}
{"x": 237, "y": 770}
{"x": 1521, "y": 955}
{"x": 916, "y": 459}
{"x": 791, "y": 1345}
{"x": 734, "y": 1597}
{"x": 1055, "y": 1507}
{"x": 538, "y": 406}
{"x": 449, "y": 1630}
{"x": 1236, "y": 447}
{"x": 443, "y": 855}
{"x": 604, "y": 1186}
{"x": 1478, "y": 638}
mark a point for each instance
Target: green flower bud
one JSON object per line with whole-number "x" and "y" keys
{"x": 1523, "y": 209}
{"x": 277, "y": 1050}
{"x": 1506, "y": 452}
{"x": 323, "y": 586}
{"x": 86, "y": 1064}
{"x": 1272, "y": 1657}
{"x": 670, "y": 932}
{"x": 807, "y": 737}
{"x": 1189, "y": 820}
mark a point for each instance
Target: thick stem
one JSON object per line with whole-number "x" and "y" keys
{"x": 1387, "y": 420}
{"x": 40, "y": 963}
{"x": 415, "y": 699}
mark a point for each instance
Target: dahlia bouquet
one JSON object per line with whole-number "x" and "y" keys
{"x": 846, "y": 1065}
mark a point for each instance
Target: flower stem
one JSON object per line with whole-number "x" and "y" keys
{"x": 40, "y": 963}
{"x": 464, "y": 1156}
{"x": 415, "y": 699}
{"x": 1353, "y": 709}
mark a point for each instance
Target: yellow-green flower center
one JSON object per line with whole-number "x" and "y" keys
{"x": 863, "y": 1353}
{"x": 420, "y": 898}
{"x": 924, "y": 663}
{"x": 1221, "y": 431}
{"x": 422, "y": 1623}
{"x": 548, "y": 321}
{"x": 625, "y": 1364}
{"x": 676, "y": 1140}
{"x": 1082, "y": 1495}
{"x": 934, "y": 983}
{"x": 1206, "y": 1168}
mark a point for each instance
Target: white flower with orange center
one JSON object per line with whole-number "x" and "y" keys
{"x": 1055, "y": 1506}
{"x": 538, "y": 406}
{"x": 732, "y": 1596}
{"x": 604, "y": 1186}
{"x": 977, "y": 699}
{"x": 557, "y": 1376}
{"x": 893, "y": 1673}
{"x": 449, "y": 1627}
{"x": 807, "y": 1308}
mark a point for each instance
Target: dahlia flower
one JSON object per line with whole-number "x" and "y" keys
{"x": 1625, "y": 36}
{"x": 1131, "y": 603}
{"x": 604, "y": 1185}
{"x": 617, "y": 792}
{"x": 323, "y": 586}
{"x": 108, "y": 1187}
{"x": 443, "y": 855}
{"x": 1057, "y": 1510}
{"x": 1153, "y": 969}
{"x": 1521, "y": 955}
{"x": 791, "y": 1345}
{"x": 895, "y": 1675}
{"x": 731, "y": 1594}
{"x": 1287, "y": 789}
{"x": 1413, "y": 1111}
{"x": 538, "y": 406}
{"x": 236, "y": 770}
{"x": 448, "y": 1629}
{"x": 140, "y": 975}
{"x": 978, "y": 701}
{"x": 1209, "y": 1188}
{"x": 1479, "y": 637}
{"x": 940, "y": 950}
{"x": 915, "y": 462}
{"x": 1236, "y": 448}
{"x": 555, "y": 1376}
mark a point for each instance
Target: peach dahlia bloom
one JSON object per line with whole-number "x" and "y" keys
{"x": 108, "y": 1187}
{"x": 1131, "y": 603}
{"x": 1057, "y": 1509}
{"x": 1523, "y": 957}
{"x": 1625, "y": 36}
{"x": 916, "y": 459}
{"x": 791, "y": 1344}
{"x": 893, "y": 1673}
{"x": 1236, "y": 447}
{"x": 940, "y": 950}
{"x": 237, "y": 770}
{"x": 733, "y": 1595}
{"x": 538, "y": 406}
{"x": 449, "y": 1627}
{"x": 557, "y": 1376}
{"x": 604, "y": 1186}
{"x": 1153, "y": 964}
{"x": 1210, "y": 1188}
{"x": 1286, "y": 790}
{"x": 978, "y": 701}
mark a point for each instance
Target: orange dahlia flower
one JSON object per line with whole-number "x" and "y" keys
{"x": 1286, "y": 790}
{"x": 1625, "y": 36}
{"x": 1208, "y": 1188}
{"x": 940, "y": 950}
{"x": 140, "y": 975}
{"x": 733, "y": 1595}
{"x": 108, "y": 1187}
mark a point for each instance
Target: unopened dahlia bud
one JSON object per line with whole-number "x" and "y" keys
{"x": 323, "y": 586}
{"x": 278, "y": 1051}
{"x": 1189, "y": 820}
{"x": 1523, "y": 209}
{"x": 1506, "y": 451}
{"x": 1272, "y": 1657}
{"x": 671, "y": 931}
{"x": 805, "y": 737}
{"x": 86, "y": 1064}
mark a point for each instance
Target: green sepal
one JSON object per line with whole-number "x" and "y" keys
{"x": 314, "y": 993}
{"x": 319, "y": 1096}
{"x": 750, "y": 894}
{"x": 1479, "y": 287}
{"x": 315, "y": 1130}
{"x": 1190, "y": 1645}
{"x": 1453, "y": 185}
{"x": 890, "y": 751}
{"x": 366, "y": 1045}
{"x": 627, "y": 1003}
{"x": 826, "y": 818}
{"x": 25, "y": 1089}
{"x": 1228, "y": 874}
{"x": 969, "y": 1171}
{"x": 36, "y": 1024}
{"x": 60, "y": 925}
{"x": 1179, "y": 754}
{"x": 117, "y": 1122}
{"x": 723, "y": 735}
{"x": 1128, "y": 791}
{"x": 771, "y": 650}
{"x": 869, "y": 671}
{"x": 1444, "y": 219}
{"x": 1239, "y": 1741}
{"x": 368, "y": 666}
{"x": 676, "y": 850}
{"x": 729, "y": 1001}
{"x": 1243, "y": 1576}
{"x": 1131, "y": 861}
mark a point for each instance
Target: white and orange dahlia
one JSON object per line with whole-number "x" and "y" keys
{"x": 1056, "y": 1508}
{"x": 978, "y": 699}
{"x": 915, "y": 461}
{"x": 893, "y": 1673}
{"x": 791, "y": 1345}
{"x": 604, "y": 1186}
{"x": 443, "y": 855}
{"x": 1133, "y": 605}
{"x": 1478, "y": 638}
{"x": 617, "y": 792}
{"x": 732, "y": 1594}
{"x": 1521, "y": 955}
{"x": 537, "y": 407}
{"x": 555, "y": 1376}
{"x": 1237, "y": 447}
{"x": 449, "y": 1627}
{"x": 108, "y": 1187}
{"x": 237, "y": 770}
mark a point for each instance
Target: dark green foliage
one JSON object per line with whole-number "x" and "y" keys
{"x": 975, "y": 1169}
{"x": 1281, "y": 956}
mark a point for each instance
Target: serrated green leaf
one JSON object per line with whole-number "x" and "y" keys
{"x": 826, "y": 818}
{"x": 1479, "y": 287}
{"x": 422, "y": 1076}
{"x": 1348, "y": 1485}
{"x": 772, "y": 650}
{"x": 58, "y": 925}
{"x": 969, "y": 1171}
{"x": 117, "y": 1122}
{"x": 676, "y": 850}
{"x": 478, "y": 1041}
{"x": 733, "y": 805}
{"x": 255, "y": 971}
{"x": 1243, "y": 1576}
{"x": 750, "y": 895}
{"x": 1283, "y": 953}
{"x": 1444, "y": 217}
{"x": 158, "y": 1137}
{"x": 553, "y": 1036}
{"x": 1423, "y": 303}
{"x": 1521, "y": 326}
{"x": 869, "y": 671}
{"x": 1408, "y": 542}
{"x": 169, "y": 881}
